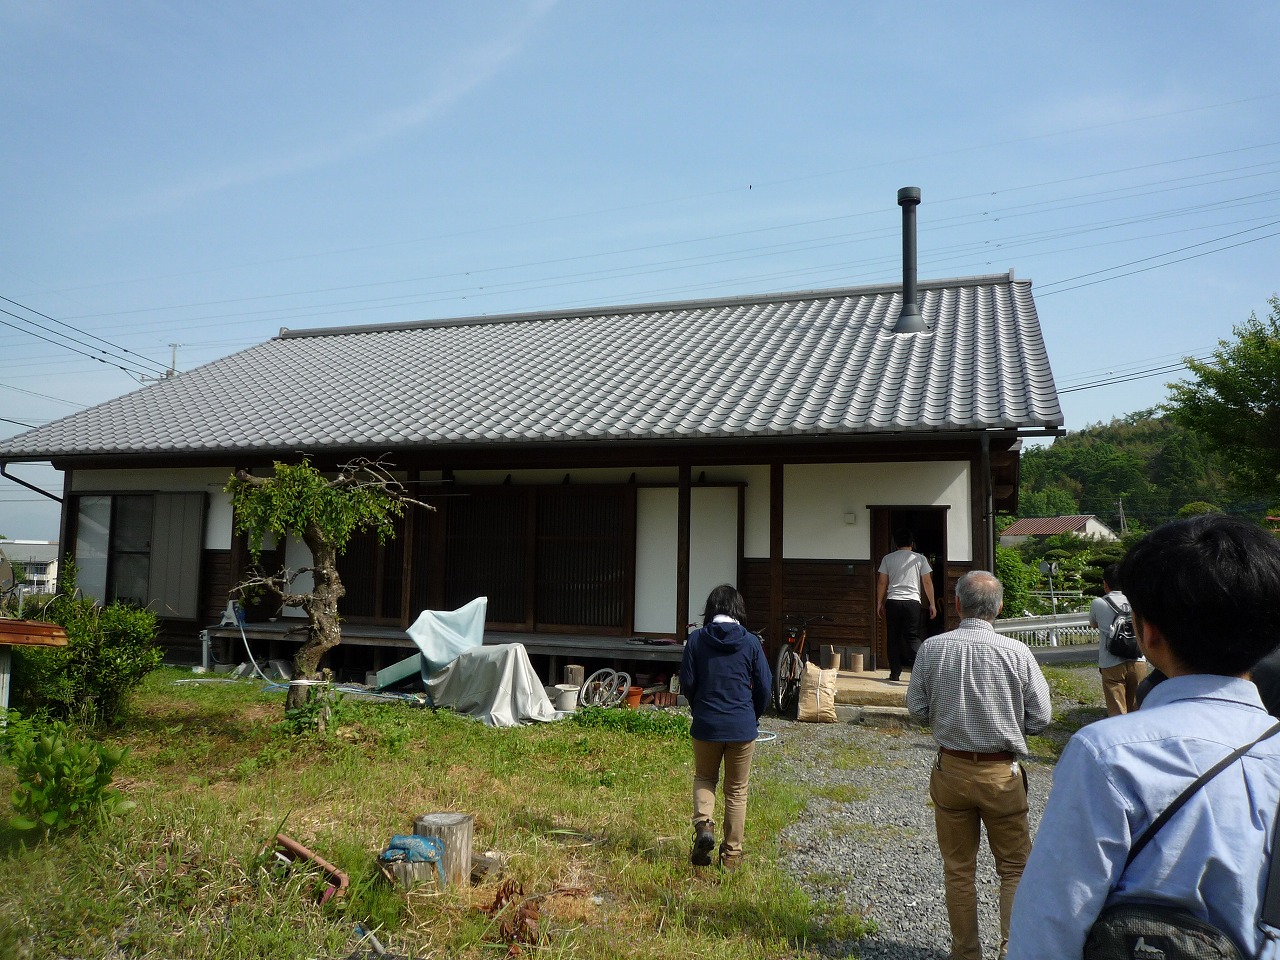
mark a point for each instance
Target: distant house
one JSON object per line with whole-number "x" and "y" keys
{"x": 39, "y": 562}
{"x": 1085, "y": 525}
{"x": 596, "y": 471}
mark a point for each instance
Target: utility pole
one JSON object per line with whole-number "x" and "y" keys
{"x": 1123, "y": 526}
{"x": 173, "y": 363}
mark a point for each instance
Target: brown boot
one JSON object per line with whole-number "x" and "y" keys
{"x": 704, "y": 839}
{"x": 730, "y": 861}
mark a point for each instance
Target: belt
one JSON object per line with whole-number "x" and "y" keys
{"x": 1000, "y": 756}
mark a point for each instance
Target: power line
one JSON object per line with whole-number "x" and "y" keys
{"x": 45, "y": 316}
{"x": 42, "y": 396}
{"x": 66, "y": 346}
{"x": 1018, "y": 210}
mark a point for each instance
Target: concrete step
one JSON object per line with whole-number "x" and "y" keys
{"x": 871, "y": 688}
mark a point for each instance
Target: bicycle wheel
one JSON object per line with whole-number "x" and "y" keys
{"x": 786, "y": 681}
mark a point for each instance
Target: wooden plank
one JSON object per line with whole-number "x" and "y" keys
{"x": 409, "y": 667}
{"x": 32, "y": 633}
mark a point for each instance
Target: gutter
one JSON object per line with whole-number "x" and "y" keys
{"x": 4, "y": 472}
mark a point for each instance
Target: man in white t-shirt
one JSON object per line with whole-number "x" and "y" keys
{"x": 1120, "y": 677}
{"x": 904, "y": 578}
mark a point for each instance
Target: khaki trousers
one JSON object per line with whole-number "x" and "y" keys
{"x": 964, "y": 794}
{"x": 707, "y": 760}
{"x": 1120, "y": 686}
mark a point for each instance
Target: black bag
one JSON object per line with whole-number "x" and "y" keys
{"x": 1122, "y": 640}
{"x": 1142, "y": 931}
{"x": 1148, "y": 931}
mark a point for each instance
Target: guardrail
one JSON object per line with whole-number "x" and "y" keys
{"x": 1055, "y": 630}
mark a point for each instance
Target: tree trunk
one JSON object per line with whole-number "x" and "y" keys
{"x": 324, "y": 631}
{"x": 455, "y": 829}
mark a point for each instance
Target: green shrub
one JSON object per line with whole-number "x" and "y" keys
{"x": 63, "y": 782}
{"x": 1018, "y": 580}
{"x": 109, "y": 650}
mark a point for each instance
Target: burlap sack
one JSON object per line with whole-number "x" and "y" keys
{"x": 817, "y": 695}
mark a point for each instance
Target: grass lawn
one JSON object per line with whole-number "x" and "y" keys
{"x": 593, "y": 820}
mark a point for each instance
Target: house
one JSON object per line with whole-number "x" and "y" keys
{"x": 1086, "y": 525}
{"x": 38, "y": 560}
{"x": 596, "y": 471}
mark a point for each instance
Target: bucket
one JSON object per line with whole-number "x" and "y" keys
{"x": 566, "y": 696}
{"x": 856, "y": 662}
{"x": 633, "y": 696}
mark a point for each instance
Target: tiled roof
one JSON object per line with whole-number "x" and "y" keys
{"x": 1046, "y": 526}
{"x": 29, "y": 551}
{"x": 814, "y": 364}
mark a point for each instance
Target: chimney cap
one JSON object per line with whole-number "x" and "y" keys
{"x": 908, "y": 195}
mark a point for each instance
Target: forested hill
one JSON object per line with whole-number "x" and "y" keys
{"x": 1147, "y": 463}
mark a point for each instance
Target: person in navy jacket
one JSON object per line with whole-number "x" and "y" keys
{"x": 726, "y": 678}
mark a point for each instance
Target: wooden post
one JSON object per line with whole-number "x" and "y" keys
{"x": 455, "y": 830}
{"x": 683, "y": 521}
{"x": 776, "y": 572}
{"x": 574, "y": 673}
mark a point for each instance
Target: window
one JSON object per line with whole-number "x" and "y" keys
{"x": 142, "y": 548}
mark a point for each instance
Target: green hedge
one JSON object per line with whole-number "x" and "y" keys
{"x": 109, "y": 650}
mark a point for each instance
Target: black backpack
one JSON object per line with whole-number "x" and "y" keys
{"x": 1122, "y": 640}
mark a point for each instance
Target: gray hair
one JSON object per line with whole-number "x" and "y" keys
{"x": 979, "y": 594}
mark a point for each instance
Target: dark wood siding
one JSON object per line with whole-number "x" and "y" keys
{"x": 487, "y": 554}
{"x": 373, "y": 575}
{"x": 582, "y": 560}
{"x": 841, "y": 589}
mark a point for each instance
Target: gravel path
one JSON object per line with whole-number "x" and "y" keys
{"x": 867, "y": 841}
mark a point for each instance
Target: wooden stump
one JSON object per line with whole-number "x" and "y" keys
{"x": 409, "y": 875}
{"x": 455, "y": 830}
{"x": 573, "y": 673}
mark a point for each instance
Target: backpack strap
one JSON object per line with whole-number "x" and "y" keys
{"x": 1186, "y": 794}
{"x": 1113, "y": 605}
{"x": 1269, "y": 919}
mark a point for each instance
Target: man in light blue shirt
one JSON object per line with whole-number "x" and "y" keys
{"x": 1205, "y": 595}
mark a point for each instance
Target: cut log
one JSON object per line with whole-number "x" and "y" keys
{"x": 409, "y": 875}
{"x": 455, "y": 830}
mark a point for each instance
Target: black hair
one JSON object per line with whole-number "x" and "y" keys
{"x": 1111, "y": 574}
{"x": 1211, "y": 583}
{"x": 903, "y": 537}
{"x": 726, "y": 600}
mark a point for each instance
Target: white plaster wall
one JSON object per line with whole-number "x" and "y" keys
{"x": 655, "y": 607}
{"x": 817, "y": 497}
{"x": 713, "y": 551}
{"x": 1098, "y": 530}
{"x": 210, "y": 480}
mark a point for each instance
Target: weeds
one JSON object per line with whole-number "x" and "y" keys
{"x": 63, "y": 781}
{"x": 597, "y": 807}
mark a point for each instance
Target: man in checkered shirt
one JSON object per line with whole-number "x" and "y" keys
{"x": 982, "y": 693}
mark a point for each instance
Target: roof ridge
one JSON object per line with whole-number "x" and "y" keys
{"x": 653, "y": 307}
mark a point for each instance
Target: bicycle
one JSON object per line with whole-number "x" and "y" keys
{"x": 790, "y": 665}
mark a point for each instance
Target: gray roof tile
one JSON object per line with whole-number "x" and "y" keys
{"x": 823, "y": 363}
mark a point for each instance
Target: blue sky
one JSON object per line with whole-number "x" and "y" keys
{"x": 205, "y": 174}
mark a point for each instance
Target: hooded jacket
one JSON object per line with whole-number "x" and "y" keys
{"x": 726, "y": 678}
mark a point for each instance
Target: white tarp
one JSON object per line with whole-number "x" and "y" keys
{"x": 443, "y": 634}
{"x": 497, "y": 684}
